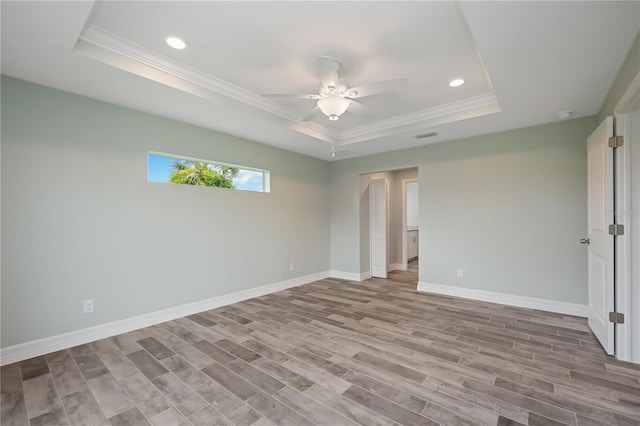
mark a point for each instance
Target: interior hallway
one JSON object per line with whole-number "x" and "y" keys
{"x": 409, "y": 276}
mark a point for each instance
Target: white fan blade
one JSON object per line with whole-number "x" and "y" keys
{"x": 375, "y": 88}
{"x": 291, "y": 95}
{"x": 328, "y": 71}
{"x": 311, "y": 114}
{"x": 358, "y": 108}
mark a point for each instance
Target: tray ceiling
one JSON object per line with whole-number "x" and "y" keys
{"x": 522, "y": 62}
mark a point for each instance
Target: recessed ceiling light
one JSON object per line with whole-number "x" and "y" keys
{"x": 176, "y": 43}
{"x": 565, "y": 115}
{"x": 457, "y": 82}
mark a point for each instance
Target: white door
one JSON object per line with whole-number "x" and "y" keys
{"x": 378, "y": 220}
{"x": 600, "y": 243}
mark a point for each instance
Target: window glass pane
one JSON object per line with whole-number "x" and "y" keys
{"x": 188, "y": 171}
{"x": 249, "y": 180}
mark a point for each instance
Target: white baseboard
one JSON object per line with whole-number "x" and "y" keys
{"x": 507, "y": 299}
{"x": 47, "y": 345}
{"x": 397, "y": 267}
{"x": 350, "y": 276}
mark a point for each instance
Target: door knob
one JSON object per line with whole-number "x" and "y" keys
{"x": 584, "y": 241}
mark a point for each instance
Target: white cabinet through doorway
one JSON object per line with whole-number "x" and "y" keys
{"x": 412, "y": 244}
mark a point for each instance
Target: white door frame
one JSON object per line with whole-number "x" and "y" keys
{"x": 405, "y": 260}
{"x": 628, "y": 333}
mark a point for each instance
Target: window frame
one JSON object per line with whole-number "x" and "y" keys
{"x": 266, "y": 174}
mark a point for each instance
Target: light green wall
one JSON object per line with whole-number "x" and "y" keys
{"x": 79, "y": 219}
{"x": 628, "y": 71}
{"x": 508, "y": 208}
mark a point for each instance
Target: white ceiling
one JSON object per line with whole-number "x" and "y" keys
{"x": 523, "y": 62}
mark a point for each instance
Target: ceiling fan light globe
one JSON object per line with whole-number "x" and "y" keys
{"x": 333, "y": 106}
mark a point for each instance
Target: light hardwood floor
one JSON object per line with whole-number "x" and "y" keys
{"x": 334, "y": 353}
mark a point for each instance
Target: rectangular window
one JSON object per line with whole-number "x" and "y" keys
{"x": 192, "y": 171}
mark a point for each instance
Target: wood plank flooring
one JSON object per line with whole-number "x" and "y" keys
{"x": 334, "y": 353}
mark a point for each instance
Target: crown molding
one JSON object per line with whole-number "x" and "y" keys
{"x": 441, "y": 114}
{"x": 102, "y": 45}
{"x": 96, "y": 41}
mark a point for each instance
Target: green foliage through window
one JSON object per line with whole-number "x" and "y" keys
{"x": 188, "y": 171}
{"x": 202, "y": 174}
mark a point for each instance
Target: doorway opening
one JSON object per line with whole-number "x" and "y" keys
{"x": 384, "y": 232}
{"x": 410, "y": 223}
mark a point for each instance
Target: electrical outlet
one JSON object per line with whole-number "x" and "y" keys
{"x": 460, "y": 273}
{"x": 291, "y": 266}
{"x": 87, "y": 306}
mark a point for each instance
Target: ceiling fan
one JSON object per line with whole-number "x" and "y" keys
{"x": 334, "y": 96}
